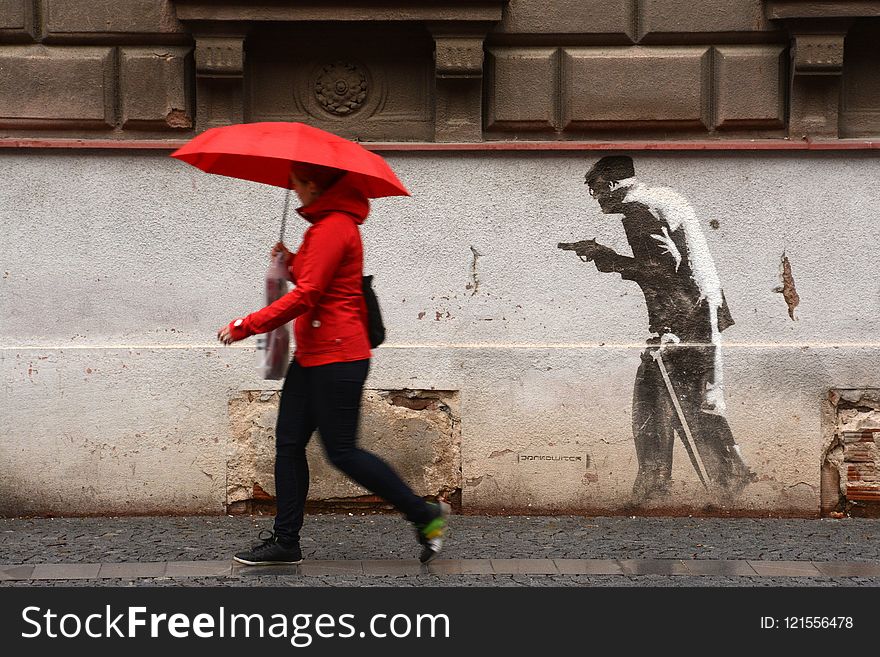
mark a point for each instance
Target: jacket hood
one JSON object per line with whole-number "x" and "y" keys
{"x": 343, "y": 196}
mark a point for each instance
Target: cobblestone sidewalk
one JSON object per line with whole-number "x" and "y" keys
{"x": 379, "y": 550}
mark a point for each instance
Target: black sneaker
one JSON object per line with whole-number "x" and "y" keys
{"x": 270, "y": 551}
{"x": 431, "y": 534}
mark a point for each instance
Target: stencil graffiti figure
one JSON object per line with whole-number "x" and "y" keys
{"x": 678, "y": 387}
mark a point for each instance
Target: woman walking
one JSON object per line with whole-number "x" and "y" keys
{"x": 325, "y": 380}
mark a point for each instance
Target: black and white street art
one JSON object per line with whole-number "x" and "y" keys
{"x": 679, "y": 388}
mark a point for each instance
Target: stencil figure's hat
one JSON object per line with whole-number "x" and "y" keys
{"x": 613, "y": 167}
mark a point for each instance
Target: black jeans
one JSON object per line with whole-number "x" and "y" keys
{"x": 328, "y": 398}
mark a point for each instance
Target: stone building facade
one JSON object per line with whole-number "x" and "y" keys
{"x": 506, "y": 383}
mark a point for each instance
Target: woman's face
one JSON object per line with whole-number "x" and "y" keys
{"x": 306, "y": 190}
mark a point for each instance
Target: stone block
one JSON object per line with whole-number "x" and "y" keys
{"x": 860, "y": 93}
{"x": 95, "y": 17}
{"x": 522, "y": 88}
{"x": 663, "y": 87}
{"x": 56, "y": 87}
{"x": 13, "y": 14}
{"x": 17, "y": 20}
{"x": 750, "y": 86}
{"x": 220, "y": 55}
{"x": 818, "y": 54}
{"x": 458, "y": 112}
{"x": 457, "y": 56}
{"x": 569, "y": 17}
{"x": 153, "y": 88}
{"x": 417, "y": 433}
{"x": 683, "y": 16}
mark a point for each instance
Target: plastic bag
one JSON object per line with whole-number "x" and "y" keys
{"x": 273, "y": 348}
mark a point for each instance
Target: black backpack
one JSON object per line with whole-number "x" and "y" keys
{"x": 375, "y": 325}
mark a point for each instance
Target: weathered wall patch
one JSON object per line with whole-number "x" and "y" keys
{"x": 417, "y": 432}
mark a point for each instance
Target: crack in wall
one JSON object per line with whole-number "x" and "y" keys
{"x": 474, "y": 285}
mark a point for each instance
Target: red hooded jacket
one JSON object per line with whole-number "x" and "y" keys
{"x": 327, "y": 303}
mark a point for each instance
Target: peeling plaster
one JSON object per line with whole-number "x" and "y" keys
{"x": 416, "y": 431}
{"x": 851, "y": 421}
{"x": 787, "y": 289}
{"x": 177, "y": 118}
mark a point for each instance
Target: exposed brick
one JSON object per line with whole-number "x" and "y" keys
{"x": 111, "y": 16}
{"x": 863, "y": 436}
{"x": 522, "y": 91}
{"x": 569, "y": 17}
{"x": 16, "y": 20}
{"x": 56, "y": 87}
{"x": 635, "y": 87}
{"x": 863, "y": 493}
{"x": 669, "y": 16}
{"x": 153, "y": 89}
{"x": 860, "y": 453}
{"x": 861, "y": 472}
{"x": 750, "y": 86}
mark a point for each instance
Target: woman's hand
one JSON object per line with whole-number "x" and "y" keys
{"x": 280, "y": 248}
{"x": 224, "y": 335}
{"x": 231, "y": 332}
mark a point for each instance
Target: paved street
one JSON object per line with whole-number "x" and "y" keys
{"x": 380, "y": 550}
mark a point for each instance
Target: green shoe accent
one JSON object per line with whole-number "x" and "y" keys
{"x": 434, "y": 528}
{"x": 431, "y": 534}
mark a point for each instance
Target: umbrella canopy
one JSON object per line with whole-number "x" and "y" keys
{"x": 263, "y": 152}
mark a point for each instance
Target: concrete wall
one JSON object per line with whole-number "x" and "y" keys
{"x": 116, "y": 270}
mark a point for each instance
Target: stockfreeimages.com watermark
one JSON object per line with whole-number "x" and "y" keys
{"x": 299, "y": 629}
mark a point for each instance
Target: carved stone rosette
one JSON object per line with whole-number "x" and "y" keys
{"x": 341, "y": 88}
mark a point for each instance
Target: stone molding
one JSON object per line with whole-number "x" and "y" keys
{"x": 458, "y": 80}
{"x": 818, "y": 54}
{"x": 219, "y": 56}
{"x": 458, "y": 56}
{"x": 459, "y": 28}
{"x": 219, "y": 80}
{"x": 340, "y": 10}
{"x": 516, "y": 93}
{"x": 815, "y": 84}
{"x": 812, "y": 9}
{"x": 818, "y": 31}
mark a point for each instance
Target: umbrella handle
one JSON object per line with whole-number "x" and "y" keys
{"x": 284, "y": 216}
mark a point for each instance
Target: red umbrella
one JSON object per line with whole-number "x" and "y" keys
{"x": 263, "y": 152}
